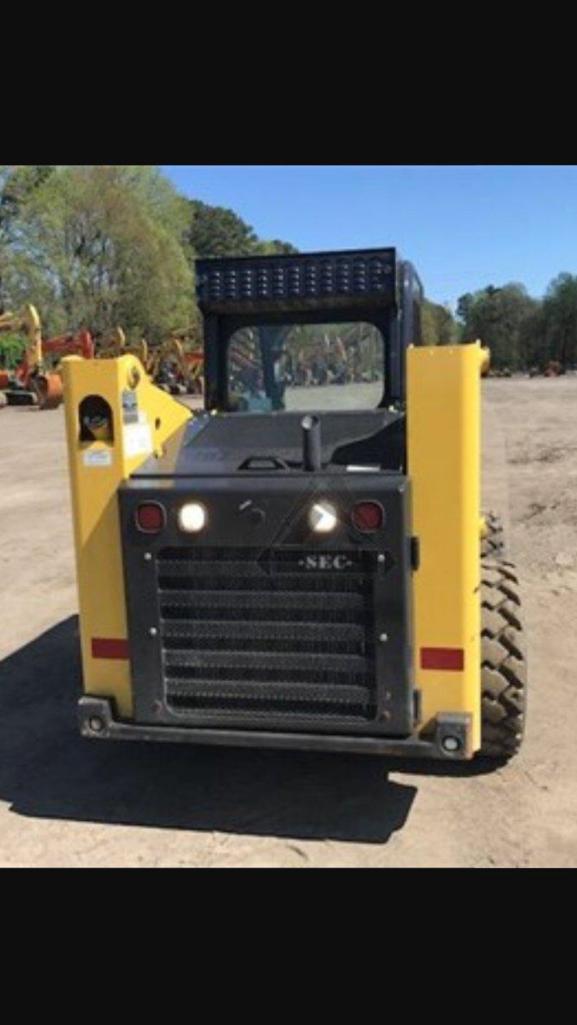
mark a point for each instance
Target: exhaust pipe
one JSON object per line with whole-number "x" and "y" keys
{"x": 311, "y": 426}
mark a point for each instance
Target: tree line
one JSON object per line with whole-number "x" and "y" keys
{"x": 521, "y": 331}
{"x": 97, "y": 246}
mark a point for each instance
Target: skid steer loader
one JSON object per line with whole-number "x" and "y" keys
{"x": 300, "y": 564}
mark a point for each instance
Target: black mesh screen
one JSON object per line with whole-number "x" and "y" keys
{"x": 246, "y": 638}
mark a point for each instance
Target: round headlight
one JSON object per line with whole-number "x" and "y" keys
{"x": 323, "y": 517}
{"x": 192, "y": 517}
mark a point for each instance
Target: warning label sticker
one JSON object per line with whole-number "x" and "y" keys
{"x": 100, "y": 457}
{"x": 129, "y": 407}
{"x": 137, "y": 440}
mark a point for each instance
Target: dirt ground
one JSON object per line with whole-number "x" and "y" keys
{"x": 65, "y": 801}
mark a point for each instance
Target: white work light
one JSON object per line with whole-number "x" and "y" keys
{"x": 192, "y": 517}
{"x": 323, "y": 517}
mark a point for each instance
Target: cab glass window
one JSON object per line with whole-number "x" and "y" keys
{"x": 305, "y": 367}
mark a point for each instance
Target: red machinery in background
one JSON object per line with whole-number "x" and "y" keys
{"x": 44, "y": 379}
{"x": 36, "y": 381}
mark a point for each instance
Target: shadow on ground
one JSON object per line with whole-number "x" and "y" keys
{"x": 47, "y": 770}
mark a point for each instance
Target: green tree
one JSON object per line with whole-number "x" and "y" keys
{"x": 438, "y": 324}
{"x": 559, "y": 320}
{"x": 98, "y": 246}
{"x": 11, "y": 350}
{"x": 428, "y": 324}
{"x": 533, "y": 347}
{"x": 498, "y": 317}
{"x": 274, "y": 247}
{"x": 464, "y": 308}
{"x": 17, "y": 185}
{"x": 217, "y": 231}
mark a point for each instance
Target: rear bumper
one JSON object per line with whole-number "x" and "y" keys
{"x": 98, "y": 721}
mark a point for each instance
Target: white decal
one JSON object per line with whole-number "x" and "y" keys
{"x": 100, "y": 457}
{"x": 137, "y": 440}
{"x": 325, "y": 561}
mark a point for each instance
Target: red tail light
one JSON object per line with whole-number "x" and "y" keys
{"x": 150, "y": 517}
{"x": 368, "y": 517}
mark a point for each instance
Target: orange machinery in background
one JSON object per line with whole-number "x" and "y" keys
{"x": 173, "y": 366}
{"x": 175, "y": 369}
{"x": 37, "y": 381}
{"x": 116, "y": 344}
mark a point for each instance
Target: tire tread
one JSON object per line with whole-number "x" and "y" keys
{"x": 503, "y": 660}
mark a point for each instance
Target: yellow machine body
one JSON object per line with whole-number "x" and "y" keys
{"x": 97, "y": 468}
{"x": 443, "y": 435}
{"x": 443, "y": 440}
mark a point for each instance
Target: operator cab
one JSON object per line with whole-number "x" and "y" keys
{"x": 278, "y": 324}
{"x": 321, "y": 333}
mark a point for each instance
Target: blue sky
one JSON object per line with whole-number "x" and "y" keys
{"x": 462, "y": 227}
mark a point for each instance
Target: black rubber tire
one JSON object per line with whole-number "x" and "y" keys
{"x": 503, "y": 661}
{"x": 494, "y": 544}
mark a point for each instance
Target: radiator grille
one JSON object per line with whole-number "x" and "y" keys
{"x": 267, "y": 639}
